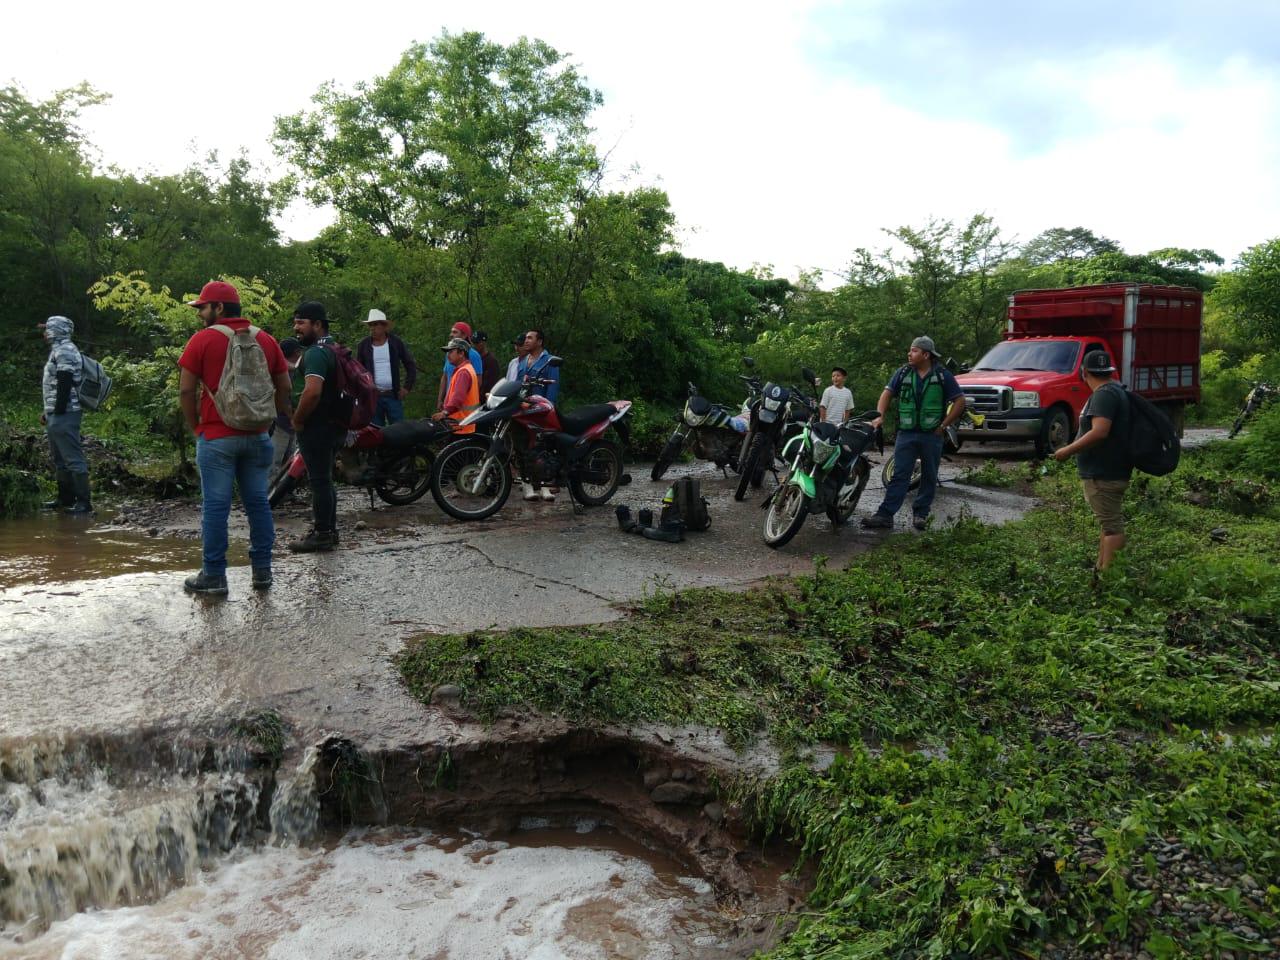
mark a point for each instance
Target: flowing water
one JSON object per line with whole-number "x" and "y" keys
{"x": 196, "y": 854}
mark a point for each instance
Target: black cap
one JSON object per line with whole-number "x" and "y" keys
{"x": 290, "y": 346}
{"x": 519, "y": 339}
{"x": 479, "y": 337}
{"x": 312, "y": 310}
{"x": 1098, "y": 362}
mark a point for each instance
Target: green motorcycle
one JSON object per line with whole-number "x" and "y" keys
{"x": 828, "y": 470}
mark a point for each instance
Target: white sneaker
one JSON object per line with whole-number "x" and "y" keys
{"x": 547, "y": 495}
{"x": 529, "y": 492}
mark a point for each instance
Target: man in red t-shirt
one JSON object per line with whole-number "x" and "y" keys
{"x": 225, "y": 455}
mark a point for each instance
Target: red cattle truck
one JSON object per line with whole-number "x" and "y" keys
{"x": 1029, "y": 385}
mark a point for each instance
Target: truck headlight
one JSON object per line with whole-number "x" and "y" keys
{"x": 1025, "y": 398}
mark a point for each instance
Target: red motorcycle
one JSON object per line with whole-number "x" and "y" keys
{"x": 472, "y": 477}
{"x": 393, "y": 462}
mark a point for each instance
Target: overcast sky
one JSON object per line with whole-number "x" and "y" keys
{"x": 785, "y": 133}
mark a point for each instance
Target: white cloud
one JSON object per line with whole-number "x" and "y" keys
{"x": 766, "y": 157}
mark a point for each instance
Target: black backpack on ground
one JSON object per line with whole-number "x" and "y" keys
{"x": 1154, "y": 446}
{"x": 684, "y": 502}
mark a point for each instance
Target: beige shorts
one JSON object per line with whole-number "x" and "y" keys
{"x": 1106, "y": 499}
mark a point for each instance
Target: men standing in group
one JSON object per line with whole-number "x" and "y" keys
{"x": 61, "y": 417}
{"x": 319, "y": 434}
{"x": 537, "y": 363}
{"x": 923, "y": 389}
{"x": 520, "y": 343}
{"x": 836, "y": 405}
{"x": 227, "y": 455}
{"x": 1102, "y": 452}
{"x": 492, "y": 369}
{"x": 464, "y": 386}
{"x": 459, "y": 331}
{"x": 382, "y": 353}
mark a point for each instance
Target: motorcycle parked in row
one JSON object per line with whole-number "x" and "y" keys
{"x": 1258, "y": 397}
{"x": 951, "y": 443}
{"x": 828, "y": 471}
{"x": 778, "y": 413}
{"x": 718, "y": 432}
{"x": 393, "y": 462}
{"x": 472, "y": 477}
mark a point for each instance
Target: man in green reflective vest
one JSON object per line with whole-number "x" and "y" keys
{"x": 923, "y": 389}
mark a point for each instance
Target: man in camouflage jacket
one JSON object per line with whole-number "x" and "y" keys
{"x": 61, "y": 417}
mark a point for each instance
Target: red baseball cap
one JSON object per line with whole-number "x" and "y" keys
{"x": 215, "y": 291}
{"x": 464, "y": 327}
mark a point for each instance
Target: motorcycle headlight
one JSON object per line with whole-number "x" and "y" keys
{"x": 768, "y": 416}
{"x": 693, "y": 419}
{"x": 1025, "y": 398}
{"x": 771, "y": 404}
{"x": 822, "y": 450}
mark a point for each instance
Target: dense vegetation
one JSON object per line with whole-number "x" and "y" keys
{"x": 465, "y": 186}
{"x": 1102, "y": 772}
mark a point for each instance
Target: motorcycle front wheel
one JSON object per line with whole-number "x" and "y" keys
{"x": 667, "y": 457}
{"x": 468, "y": 482}
{"x": 596, "y": 480}
{"x": 758, "y": 459}
{"x": 887, "y": 474}
{"x": 849, "y": 496}
{"x": 785, "y": 516}
{"x": 405, "y": 479}
{"x": 284, "y": 485}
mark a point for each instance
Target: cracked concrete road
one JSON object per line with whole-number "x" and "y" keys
{"x": 85, "y": 648}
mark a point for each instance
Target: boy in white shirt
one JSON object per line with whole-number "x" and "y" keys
{"x": 836, "y": 405}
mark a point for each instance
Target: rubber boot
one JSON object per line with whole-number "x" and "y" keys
{"x": 80, "y": 483}
{"x": 316, "y": 541}
{"x": 66, "y": 495}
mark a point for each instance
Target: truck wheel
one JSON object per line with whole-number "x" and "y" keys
{"x": 1055, "y": 433}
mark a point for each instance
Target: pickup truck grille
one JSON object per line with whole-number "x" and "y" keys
{"x": 988, "y": 399}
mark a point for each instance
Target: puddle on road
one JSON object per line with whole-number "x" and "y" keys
{"x": 399, "y": 892}
{"x": 55, "y": 548}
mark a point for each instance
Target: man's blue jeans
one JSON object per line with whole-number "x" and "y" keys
{"x": 910, "y": 446}
{"x": 244, "y": 460}
{"x": 390, "y": 410}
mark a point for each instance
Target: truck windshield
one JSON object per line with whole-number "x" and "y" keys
{"x": 1058, "y": 356}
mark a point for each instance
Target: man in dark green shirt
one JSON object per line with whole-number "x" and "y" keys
{"x": 318, "y": 435}
{"x": 1102, "y": 451}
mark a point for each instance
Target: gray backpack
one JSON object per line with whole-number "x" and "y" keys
{"x": 246, "y": 396}
{"x": 95, "y": 384}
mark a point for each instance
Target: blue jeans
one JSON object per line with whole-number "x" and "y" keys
{"x": 245, "y": 460}
{"x": 910, "y": 446}
{"x": 63, "y": 430}
{"x": 390, "y": 410}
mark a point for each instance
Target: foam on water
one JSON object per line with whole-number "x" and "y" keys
{"x": 397, "y": 894}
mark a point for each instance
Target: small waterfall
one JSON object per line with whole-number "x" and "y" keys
{"x": 295, "y": 806}
{"x": 96, "y": 824}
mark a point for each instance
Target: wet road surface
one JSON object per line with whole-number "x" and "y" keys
{"x": 96, "y": 633}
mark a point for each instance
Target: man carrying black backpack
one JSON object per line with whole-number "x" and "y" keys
{"x": 319, "y": 433}
{"x": 1102, "y": 450}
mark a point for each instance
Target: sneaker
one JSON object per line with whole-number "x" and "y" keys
{"x": 919, "y": 522}
{"x": 262, "y": 578}
{"x": 877, "y": 521}
{"x": 529, "y": 492}
{"x": 548, "y": 495}
{"x": 205, "y": 583}
{"x": 315, "y": 541}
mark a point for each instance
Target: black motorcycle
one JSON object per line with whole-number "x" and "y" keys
{"x": 393, "y": 462}
{"x": 712, "y": 429}
{"x": 778, "y": 413}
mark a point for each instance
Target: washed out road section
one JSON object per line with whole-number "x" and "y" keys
{"x": 83, "y": 649}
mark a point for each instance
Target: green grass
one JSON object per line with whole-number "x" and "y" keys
{"x": 1079, "y": 720}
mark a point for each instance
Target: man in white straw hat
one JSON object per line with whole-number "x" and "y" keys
{"x": 382, "y": 353}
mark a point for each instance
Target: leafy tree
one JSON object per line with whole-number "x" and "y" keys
{"x": 1172, "y": 266}
{"x": 1250, "y": 295}
{"x": 1062, "y": 243}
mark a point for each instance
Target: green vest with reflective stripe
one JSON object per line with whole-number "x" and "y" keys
{"x": 923, "y": 412}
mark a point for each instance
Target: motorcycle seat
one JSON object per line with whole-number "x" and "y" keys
{"x": 411, "y": 433}
{"x": 579, "y": 421}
